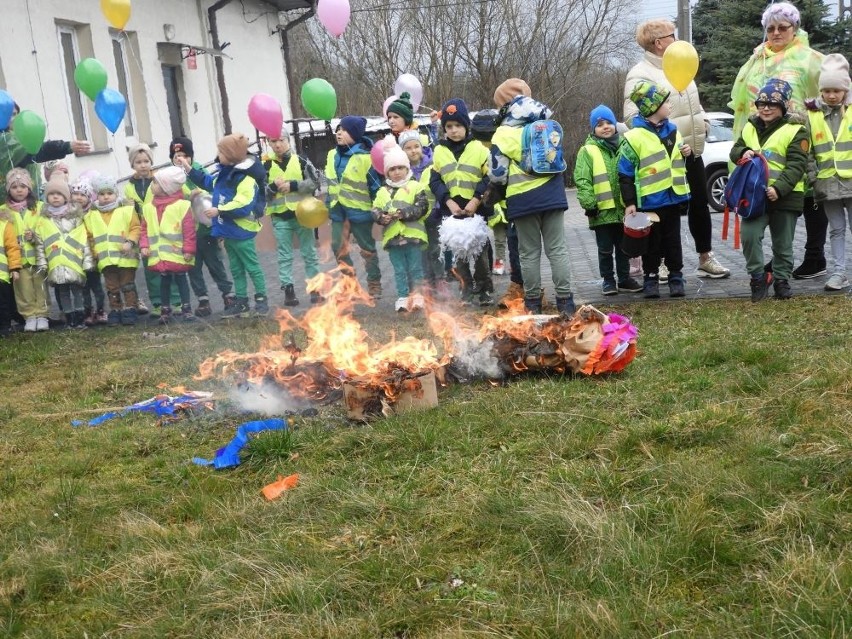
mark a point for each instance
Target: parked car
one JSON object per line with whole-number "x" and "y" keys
{"x": 717, "y": 149}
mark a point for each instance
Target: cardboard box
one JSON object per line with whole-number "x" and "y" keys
{"x": 365, "y": 402}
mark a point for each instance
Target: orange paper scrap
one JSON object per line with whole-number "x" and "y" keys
{"x": 274, "y": 490}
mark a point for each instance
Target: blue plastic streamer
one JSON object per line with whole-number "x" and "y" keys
{"x": 229, "y": 455}
{"x": 160, "y": 405}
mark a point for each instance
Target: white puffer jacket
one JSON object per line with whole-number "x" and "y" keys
{"x": 65, "y": 224}
{"x": 687, "y": 112}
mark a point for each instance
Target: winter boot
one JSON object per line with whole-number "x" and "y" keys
{"x": 782, "y": 289}
{"x": 203, "y": 309}
{"x": 565, "y": 305}
{"x": 186, "y": 313}
{"x": 290, "y": 298}
{"x": 676, "y": 285}
{"x": 114, "y": 318}
{"x": 229, "y": 300}
{"x": 651, "y": 287}
{"x": 760, "y": 286}
{"x": 165, "y": 315}
{"x": 89, "y": 316}
{"x": 101, "y": 318}
{"x": 261, "y": 305}
{"x": 128, "y": 317}
{"x": 533, "y": 305}
{"x": 316, "y": 298}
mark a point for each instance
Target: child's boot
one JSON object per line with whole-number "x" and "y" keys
{"x": 676, "y": 284}
{"x": 239, "y": 306}
{"x": 651, "y": 287}
{"x": 128, "y": 317}
{"x": 203, "y": 309}
{"x": 229, "y": 300}
{"x": 101, "y": 317}
{"x": 69, "y": 320}
{"x": 165, "y": 315}
{"x": 316, "y": 298}
{"x": 261, "y": 305}
{"x": 565, "y": 305}
{"x": 114, "y": 318}
{"x": 186, "y": 313}
{"x": 782, "y": 289}
{"x": 533, "y": 305}
{"x": 290, "y": 298}
{"x": 89, "y": 316}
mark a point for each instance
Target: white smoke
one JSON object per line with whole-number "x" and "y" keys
{"x": 267, "y": 399}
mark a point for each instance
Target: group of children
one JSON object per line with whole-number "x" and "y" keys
{"x": 643, "y": 171}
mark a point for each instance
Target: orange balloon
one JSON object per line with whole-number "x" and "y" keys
{"x": 117, "y": 12}
{"x": 680, "y": 64}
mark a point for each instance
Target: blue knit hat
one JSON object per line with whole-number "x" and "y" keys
{"x": 354, "y": 125}
{"x": 601, "y": 112}
{"x": 455, "y": 110}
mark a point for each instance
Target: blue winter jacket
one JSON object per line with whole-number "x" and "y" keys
{"x": 338, "y": 212}
{"x": 628, "y": 162}
{"x": 234, "y": 192}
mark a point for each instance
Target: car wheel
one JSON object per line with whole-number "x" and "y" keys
{"x": 716, "y": 188}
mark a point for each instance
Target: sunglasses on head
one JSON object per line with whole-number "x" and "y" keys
{"x": 780, "y": 28}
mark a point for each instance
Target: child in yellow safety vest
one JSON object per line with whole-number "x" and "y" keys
{"x": 830, "y": 162}
{"x": 596, "y": 178}
{"x": 783, "y": 141}
{"x": 114, "y": 231}
{"x": 401, "y": 207}
{"x": 459, "y": 180}
{"x": 62, "y": 248}
{"x": 10, "y": 267}
{"x": 167, "y": 239}
{"x": 22, "y": 206}
{"x": 652, "y": 178}
{"x": 83, "y": 195}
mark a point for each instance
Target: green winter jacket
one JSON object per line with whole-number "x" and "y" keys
{"x": 585, "y": 190}
{"x": 797, "y": 161}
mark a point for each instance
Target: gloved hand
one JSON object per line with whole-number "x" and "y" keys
{"x": 591, "y": 213}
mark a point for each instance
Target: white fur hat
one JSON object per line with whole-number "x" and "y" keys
{"x": 170, "y": 179}
{"x": 834, "y": 73}
{"x": 394, "y": 155}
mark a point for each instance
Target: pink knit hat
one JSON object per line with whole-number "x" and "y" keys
{"x": 170, "y": 179}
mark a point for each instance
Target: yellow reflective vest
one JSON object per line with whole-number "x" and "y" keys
{"x": 600, "y": 178}
{"x": 131, "y": 194}
{"x": 4, "y": 259}
{"x": 774, "y": 149}
{"x": 283, "y": 202}
{"x": 62, "y": 249}
{"x": 833, "y": 155}
{"x": 23, "y": 223}
{"x": 508, "y": 140}
{"x": 165, "y": 236}
{"x": 404, "y": 196}
{"x": 108, "y": 239}
{"x": 657, "y": 171}
{"x": 352, "y": 190}
{"x": 461, "y": 176}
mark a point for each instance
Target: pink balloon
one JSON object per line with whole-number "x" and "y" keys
{"x": 387, "y": 104}
{"x": 408, "y": 83}
{"x": 377, "y": 155}
{"x": 334, "y": 15}
{"x": 265, "y": 114}
{"x": 89, "y": 175}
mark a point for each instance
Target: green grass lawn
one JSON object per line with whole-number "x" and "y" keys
{"x": 703, "y": 492}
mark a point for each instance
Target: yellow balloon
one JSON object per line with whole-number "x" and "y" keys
{"x": 117, "y": 12}
{"x": 311, "y": 212}
{"x": 680, "y": 64}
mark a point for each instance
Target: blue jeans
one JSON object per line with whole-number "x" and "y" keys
{"x": 407, "y": 262}
{"x": 608, "y": 238}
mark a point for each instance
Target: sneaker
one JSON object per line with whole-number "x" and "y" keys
{"x": 290, "y": 298}
{"x": 101, "y": 317}
{"x": 186, "y": 314}
{"x": 676, "y": 287}
{"x": 837, "y": 282}
{"x": 712, "y": 269}
{"x": 114, "y": 318}
{"x": 42, "y": 324}
{"x": 401, "y": 305}
{"x": 782, "y": 289}
{"x": 609, "y": 287}
{"x": 630, "y": 286}
{"x": 760, "y": 286}
{"x": 155, "y": 313}
{"x": 165, "y": 315}
{"x": 229, "y": 300}
{"x": 203, "y": 309}
{"x": 486, "y": 298}
{"x": 128, "y": 317}
{"x": 663, "y": 274}
{"x": 499, "y": 267}
{"x": 374, "y": 289}
{"x": 30, "y": 325}
{"x": 316, "y": 298}
{"x": 261, "y": 305}
{"x": 651, "y": 287}
{"x": 141, "y": 309}
{"x": 239, "y": 308}
{"x": 89, "y": 317}
{"x": 809, "y": 269}
{"x": 417, "y": 302}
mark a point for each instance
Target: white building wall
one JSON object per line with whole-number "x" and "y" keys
{"x": 32, "y": 71}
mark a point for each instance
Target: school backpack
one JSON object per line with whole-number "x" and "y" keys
{"x": 745, "y": 193}
{"x": 541, "y": 148}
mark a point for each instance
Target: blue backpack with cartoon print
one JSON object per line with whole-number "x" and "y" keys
{"x": 745, "y": 192}
{"x": 541, "y": 148}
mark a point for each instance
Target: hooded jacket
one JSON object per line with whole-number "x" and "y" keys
{"x": 234, "y": 191}
{"x": 342, "y": 155}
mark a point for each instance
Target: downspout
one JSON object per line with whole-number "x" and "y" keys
{"x": 220, "y": 67}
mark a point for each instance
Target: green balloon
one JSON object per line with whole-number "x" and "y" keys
{"x": 319, "y": 98}
{"x": 30, "y": 130}
{"x": 90, "y": 77}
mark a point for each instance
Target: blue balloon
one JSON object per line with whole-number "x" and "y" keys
{"x": 110, "y": 107}
{"x": 7, "y": 107}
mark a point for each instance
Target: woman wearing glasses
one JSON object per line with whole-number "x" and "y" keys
{"x": 655, "y": 36}
{"x": 786, "y": 55}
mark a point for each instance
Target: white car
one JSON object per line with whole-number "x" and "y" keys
{"x": 717, "y": 149}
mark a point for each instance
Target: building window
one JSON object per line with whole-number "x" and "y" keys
{"x": 119, "y": 51}
{"x": 173, "y": 80}
{"x": 70, "y": 52}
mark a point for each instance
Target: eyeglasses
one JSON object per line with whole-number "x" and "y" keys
{"x": 671, "y": 35}
{"x": 780, "y": 28}
{"x": 766, "y": 105}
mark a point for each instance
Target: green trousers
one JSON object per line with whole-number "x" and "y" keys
{"x": 782, "y": 228}
{"x": 363, "y": 234}
{"x": 285, "y": 230}
{"x": 534, "y": 230}
{"x": 242, "y": 259}
{"x": 152, "y": 283}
